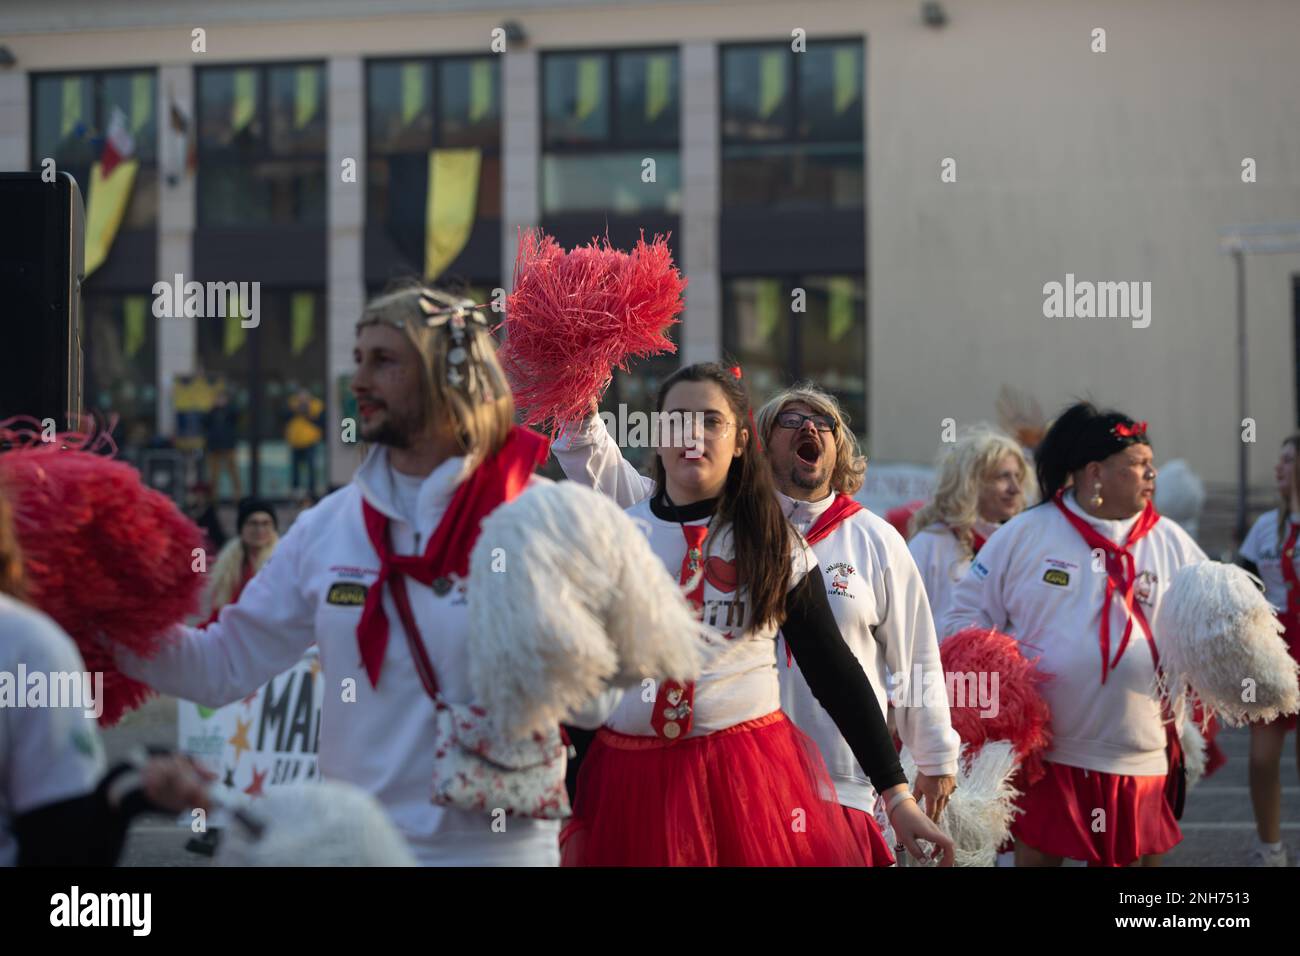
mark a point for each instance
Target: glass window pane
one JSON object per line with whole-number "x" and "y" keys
{"x": 576, "y": 98}
{"x": 830, "y": 91}
{"x": 647, "y": 97}
{"x": 610, "y": 182}
{"x": 65, "y": 118}
{"x": 400, "y": 106}
{"x": 468, "y": 103}
{"x": 229, "y": 118}
{"x": 296, "y": 110}
{"x": 832, "y": 339}
{"x": 142, "y": 207}
{"x": 756, "y": 332}
{"x": 790, "y": 175}
{"x": 756, "y": 92}
{"x": 122, "y": 363}
{"x": 135, "y": 94}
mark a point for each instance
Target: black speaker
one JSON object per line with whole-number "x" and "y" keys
{"x": 42, "y": 257}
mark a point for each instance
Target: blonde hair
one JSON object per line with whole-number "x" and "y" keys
{"x": 480, "y": 409}
{"x": 962, "y": 472}
{"x": 850, "y": 463}
{"x": 229, "y": 568}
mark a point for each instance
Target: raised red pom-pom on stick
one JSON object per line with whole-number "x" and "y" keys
{"x": 575, "y": 317}
{"x": 106, "y": 557}
{"x": 1022, "y": 717}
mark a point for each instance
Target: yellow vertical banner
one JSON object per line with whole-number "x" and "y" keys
{"x": 71, "y": 105}
{"x": 589, "y": 86}
{"x": 134, "y": 317}
{"x": 480, "y": 89}
{"x": 449, "y": 212}
{"x": 845, "y": 70}
{"x": 235, "y": 331}
{"x": 768, "y": 304}
{"x": 771, "y": 82}
{"x": 306, "y": 95}
{"x": 105, "y": 207}
{"x": 657, "y": 79}
{"x": 244, "y": 104}
{"x": 840, "y": 308}
{"x": 302, "y": 317}
{"x": 412, "y": 91}
{"x": 142, "y": 104}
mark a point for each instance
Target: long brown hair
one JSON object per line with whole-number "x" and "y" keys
{"x": 748, "y": 504}
{"x": 11, "y": 558}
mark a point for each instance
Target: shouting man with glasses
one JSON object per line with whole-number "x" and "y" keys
{"x": 873, "y": 585}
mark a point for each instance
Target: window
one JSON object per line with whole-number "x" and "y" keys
{"x": 415, "y": 106}
{"x": 792, "y": 125}
{"x": 777, "y": 345}
{"x": 121, "y": 363}
{"x": 71, "y": 113}
{"x": 604, "y": 115}
{"x": 261, "y": 145}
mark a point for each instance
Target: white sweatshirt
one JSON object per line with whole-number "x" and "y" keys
{"x": 1035, "y": 579}
{"x": 886, "y": 623}
{"x": 942, "y": 561}
{"x": 1263, "y": 549}
{"x": 383, "y": 741}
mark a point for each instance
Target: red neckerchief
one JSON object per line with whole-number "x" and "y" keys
{"x": 496, "y": 480}
{"x": 977, "y": 540}
{"x": 842, "y": 508}
{"x": 675, "y": 702}
{"x": 1121, "y": 575}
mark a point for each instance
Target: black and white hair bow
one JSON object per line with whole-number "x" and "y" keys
{"x": 454, "y": 319}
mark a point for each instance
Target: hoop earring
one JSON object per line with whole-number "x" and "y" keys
{"x": 1096, "y": 499}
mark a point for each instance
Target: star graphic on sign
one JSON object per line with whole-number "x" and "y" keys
{"x": 229, "y": 780}
{"x": 240, "y": 740}
{"x": 254, "y": 789}
{"x": 250, "y": 698}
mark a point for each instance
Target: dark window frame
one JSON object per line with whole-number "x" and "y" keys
{"x": 431, "y": 90}
{"x": 613, "y": 142}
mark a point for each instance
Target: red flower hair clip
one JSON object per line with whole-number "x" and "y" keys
{"x": 1136, "y": 430}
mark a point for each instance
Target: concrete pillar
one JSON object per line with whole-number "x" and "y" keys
{"x": 701, "y": 332}
{"x": 521, "y": 151}
{"x": 177, "y": 336}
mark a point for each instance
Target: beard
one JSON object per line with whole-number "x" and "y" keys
{"x": 809, "y": 483}
{"x": 395, "y": 431}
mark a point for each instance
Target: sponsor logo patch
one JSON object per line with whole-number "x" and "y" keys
{"x": 1057, "y": 576}
{"x": 979, "y": 570}
{"x": 346, "y": 593}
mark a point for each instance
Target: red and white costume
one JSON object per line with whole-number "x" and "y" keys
{"x": 310, "y": 591}
{"x": 943, "y": 560}
{"x": 1035, "y": 579}
{"x": 1278, "y": 563}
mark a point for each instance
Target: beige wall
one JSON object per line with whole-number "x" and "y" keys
{"x": 1114, "y": 166}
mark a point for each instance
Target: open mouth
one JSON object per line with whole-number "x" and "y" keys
{"x": 808, "y": 452}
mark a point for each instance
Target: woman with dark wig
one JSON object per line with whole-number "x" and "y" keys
{"x": 712, "y": 772}
{"x": 1079, "y": 580}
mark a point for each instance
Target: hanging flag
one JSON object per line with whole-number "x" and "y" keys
{"x": 119, "y": 144}
{"x": 412, "y": 91}
{"x": 245, "y": 100}
{"x": 589, "y": 86}
{"x": 142, "y": 101}
{"x": 71, "y": 114}
{"x": 771, "y": 82}
{"x": 480, "y": 89}
{"x": 449, "y": 212}
{"x": 845, "y": 68}
{"x": 657, "y": 80}
{"x": 111, "y": 179}
{"x": 768, "y": 304}
{"x": 302, "y": 315}
{"x": 840, "y": 308}
{"x": 134, "y": 312}
{"x": 235, "y": 331}
{"x": 306, "y": 98}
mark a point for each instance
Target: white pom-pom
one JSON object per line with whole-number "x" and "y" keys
{"x": 328, "y": 823}
{"x": 980, "y": 811}
{"x": 1219, "y": 636}
{"x": 1195, "y": 752}
{"x": 565, "y": 598}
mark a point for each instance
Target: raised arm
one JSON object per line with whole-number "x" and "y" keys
{"x": 588, "y": 454}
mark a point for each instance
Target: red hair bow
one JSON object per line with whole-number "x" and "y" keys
{"x": 1136, "y": 430}
{"x": 735, "y": 370}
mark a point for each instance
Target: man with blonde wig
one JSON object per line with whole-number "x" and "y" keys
{"x": 984, "y": 480}
{"x": 375, "y": 575}
{"x": 873, "y": 586}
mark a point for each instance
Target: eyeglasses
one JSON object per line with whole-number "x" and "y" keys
{"x": 682, "y": 427}
{"x": 822, "y": 423}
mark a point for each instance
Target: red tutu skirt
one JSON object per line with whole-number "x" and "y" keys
{"x": 1060, "y": 815}
{"x": 871, "y": 841}
{"x": 756, "y": 794}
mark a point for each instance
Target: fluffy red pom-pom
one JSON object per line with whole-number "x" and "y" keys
{"x": 105, "y": 556}
{"x": 1023, "y": 717}
{"x": 575, "y": 317}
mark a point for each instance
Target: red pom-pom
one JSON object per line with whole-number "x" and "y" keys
{"x": 103, "y": 555}
{"x": 1023, "y": 717}
{"x": 901, "y": 515}
{"x": 575, "y": 317}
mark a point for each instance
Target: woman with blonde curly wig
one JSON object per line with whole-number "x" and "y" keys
{"x": 984, "y": 480}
